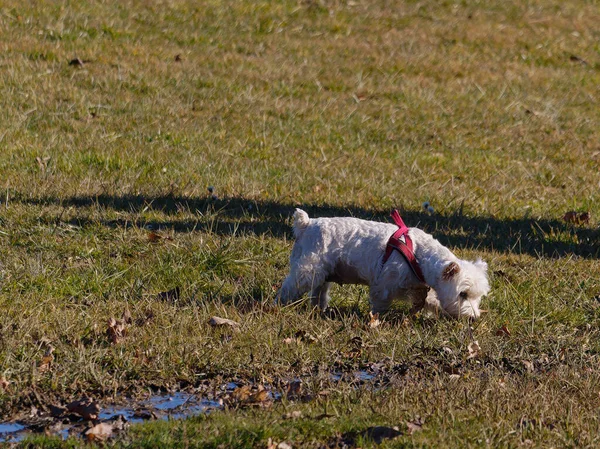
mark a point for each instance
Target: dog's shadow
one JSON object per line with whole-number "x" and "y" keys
{"x": 536, "y": 237}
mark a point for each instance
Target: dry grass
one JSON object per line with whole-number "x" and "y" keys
{"x": 490, "y": 112}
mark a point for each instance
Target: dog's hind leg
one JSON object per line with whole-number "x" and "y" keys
{"x": 298, "y": 283}
{"x": 320, "y": 296}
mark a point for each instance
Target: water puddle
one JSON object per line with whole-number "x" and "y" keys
{"x": 66, "y": 422}
{"x": 7, "y": 430}
{"x": 162, "y": 407}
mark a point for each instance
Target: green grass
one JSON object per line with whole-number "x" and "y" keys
{"x": 488, "y": 111}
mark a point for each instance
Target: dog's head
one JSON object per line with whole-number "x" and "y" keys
{"x": 461, "y": 286}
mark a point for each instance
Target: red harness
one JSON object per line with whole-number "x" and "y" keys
{"x": 401, "y": 242}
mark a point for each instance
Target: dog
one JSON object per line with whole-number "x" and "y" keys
{"x": 353, "y": 251}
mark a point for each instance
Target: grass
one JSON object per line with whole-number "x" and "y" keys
{"x": 488, "y": 111}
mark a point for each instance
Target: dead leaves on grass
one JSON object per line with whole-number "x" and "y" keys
{"x": 474, "y": 350}
{"x": 577, "y": 218}
{"x": 155, "y": 237}
{"x": 216, "y": 321}
{"x": 100, "y": 432}
{"x": 117, "y": 329}
{"x": 46, "y": 363}
{"x": 374, "y": 320}
{"x": 247, "y": 396}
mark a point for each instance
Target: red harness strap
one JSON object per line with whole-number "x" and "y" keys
{"x": 401, "y": 242}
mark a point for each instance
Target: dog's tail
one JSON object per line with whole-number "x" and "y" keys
{"x": 301, "y": 221}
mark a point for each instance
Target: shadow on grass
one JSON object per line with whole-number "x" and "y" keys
{"x": 543, "y": 237}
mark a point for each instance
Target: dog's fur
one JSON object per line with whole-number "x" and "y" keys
{"x": 350, "y": 251}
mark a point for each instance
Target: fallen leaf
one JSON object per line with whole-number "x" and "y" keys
{"x": 271, "y": 444}
{"x": 100, "y": 432}
{"x": 577, "y": 218}
{"x": 116, "y": 331}
{"x": 284, "y": 445}
{"x": 4, "y": 384}
{"x": 374, "y": 320}
{"x": 216, "y": 321}
{"x": 126, "y": 317}
{"x": 47, "y": 359}
{"x": 45, "y": 364}
{"x": 528, "y": 365}
{"x": 503, "y": 331}
{"x": 85, "y": 407}
{"x": 241, "y": 394}
{"x": 474, "y": 350}
{"x": 261, "y": 395}
{"x": 170, "y": 295}
{"x": 415, "y": 425}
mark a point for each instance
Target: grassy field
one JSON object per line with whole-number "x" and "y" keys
{"x": 116, "y": 117}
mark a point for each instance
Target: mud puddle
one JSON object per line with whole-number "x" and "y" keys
{"x": 98, "y": 421}
{"x": 116, "y": 417}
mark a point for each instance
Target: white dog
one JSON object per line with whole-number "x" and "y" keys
{"x": 354, "y": 251}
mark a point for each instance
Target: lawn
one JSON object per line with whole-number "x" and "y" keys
{"x": 152, "y": 153}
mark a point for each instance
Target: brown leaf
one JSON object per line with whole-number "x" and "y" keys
{"x": 116, "y": 331}
{"x": 4, "y": 384}
{"x": 241, "y": 394}
{"x": 126, "y": 317}
{"x": 374, "y": 320}
{"x": 261, "y": 395}
{"x": 474, "y": 350}
{"x": 85, "y": 407}
{"x": 45, "y": 364}
{"x": 154, "y": 237}
{"x": 503, "y": 331}
{"x": 528, "y": 365}
{"x": 216, "y": 321}
{"x": 577, "y": 218}
{"x": 100, "y": 432}
{"x": 414, "y": 426}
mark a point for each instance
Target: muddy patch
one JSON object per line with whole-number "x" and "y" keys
{"x": 96, "y": 423}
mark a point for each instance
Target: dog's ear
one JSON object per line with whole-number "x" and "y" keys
{"x": 450, "y": 271}
{"x": 481, "y": 264}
